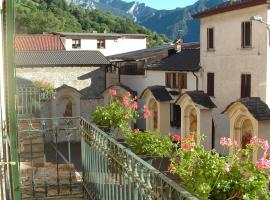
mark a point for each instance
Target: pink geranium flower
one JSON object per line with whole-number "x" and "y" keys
{"x": 126, "y": 101}
{"x": 134, "y": 105}
{"x": 146, "y": 112}
{"x": 263, "y": 164}
{"x": 228, "y": 142}
{"x": 113, "y": 92}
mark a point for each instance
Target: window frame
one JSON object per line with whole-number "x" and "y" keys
{"x": 243, "y": 35}
{"x": 212, "y": 47}
{"x": 76, "y": 43}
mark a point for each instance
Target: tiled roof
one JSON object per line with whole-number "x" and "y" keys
{"x": 142, "y": 54}
{"x": 151, "y": 52}
{"x": 159, "y": 92}
{"x": 60, "y": 58}
{"x": 38, "y": 43}
{"x": 200, "y": 98}
{"x": 229, "y": 6}
{"x": 255, "y": 106}
{"x": 186, "y": 60}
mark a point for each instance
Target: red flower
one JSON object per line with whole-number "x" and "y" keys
{"x": 175, "y": 138}
{"x": 170, "y": 168}
{"x": 186, "y": 146}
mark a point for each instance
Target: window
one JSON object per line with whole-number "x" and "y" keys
{"x": 210, "y": 38}
{"x": 176, "y": 80}
{"x": 76, "y": 44}
{"x": 246, "y": 34}
{"x": 245, "y": 85}
{"x": 132, "y": 68}
{"x": 211, "y": 84}
{"x": 101, "y": 44}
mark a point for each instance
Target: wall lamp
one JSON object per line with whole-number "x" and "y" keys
{"x": 258, "y": 18}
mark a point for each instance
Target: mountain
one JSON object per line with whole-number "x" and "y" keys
{"x": 168, "y": 22}
{"x": 38, "y": 16}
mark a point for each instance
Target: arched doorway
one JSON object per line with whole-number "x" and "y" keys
{"x": 153, "y": 120}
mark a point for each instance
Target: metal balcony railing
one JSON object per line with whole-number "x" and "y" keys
{"x": 112, "y": 171}
{"x": 71, "y": 157}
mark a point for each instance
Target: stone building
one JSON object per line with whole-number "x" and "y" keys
{"x": 77, "y": 76}
{"x": 235, "y": 59}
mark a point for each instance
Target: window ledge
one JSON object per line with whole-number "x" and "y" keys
{"x": 210, "y": 50}
{"x": 246, "y": 48}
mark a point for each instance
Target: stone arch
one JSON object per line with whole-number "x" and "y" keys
{"x": 153, "y": 119}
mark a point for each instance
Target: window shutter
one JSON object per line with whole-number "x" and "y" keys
{"x": 243, "y": 35}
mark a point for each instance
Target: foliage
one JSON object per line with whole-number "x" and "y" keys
{"x": 211, "y": 176}
{"x": 38, "y": 16}
{"x": 45, "y": 87}
{"x": 150, "y": 143}
{"x": 119, "y": 112}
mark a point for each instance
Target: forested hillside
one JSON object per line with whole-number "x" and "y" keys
{"x": 38, "y": 16}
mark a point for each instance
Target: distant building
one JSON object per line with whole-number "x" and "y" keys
{"x": 107, "y": 43}
{"x": 38, "y": 42}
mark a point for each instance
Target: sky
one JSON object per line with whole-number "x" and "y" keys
{"x": 166, "y": 4}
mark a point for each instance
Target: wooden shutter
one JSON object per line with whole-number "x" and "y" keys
{"x": 211, "y": 84}
{"x": 182, "y": 80}
{"x": 168, "y": 80}
{"x": 245, "y": 85}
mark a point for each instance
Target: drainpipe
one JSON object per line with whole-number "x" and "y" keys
{"x": 197, "y": 81}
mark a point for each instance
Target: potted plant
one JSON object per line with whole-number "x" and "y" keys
{"x": 46, "y": 89}
{"x": 211, "y": 176}
{"x": 119, "y": 113}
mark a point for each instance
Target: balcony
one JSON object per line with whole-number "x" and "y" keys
{"x": 73, "y": 159}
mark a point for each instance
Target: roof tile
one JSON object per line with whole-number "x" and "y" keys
{"x": 38, "y": 43}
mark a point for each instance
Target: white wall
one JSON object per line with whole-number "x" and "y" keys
{"x": 151, "y": 78}
{"x": 228, "y": 61}
{"x": 112, "y": 46}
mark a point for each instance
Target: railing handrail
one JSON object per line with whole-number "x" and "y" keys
{"x": 167, "y": 180}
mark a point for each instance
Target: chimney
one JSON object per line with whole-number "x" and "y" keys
{"x": 178, "y": 44}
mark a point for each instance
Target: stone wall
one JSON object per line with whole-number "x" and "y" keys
{"x": 90, "y": 81}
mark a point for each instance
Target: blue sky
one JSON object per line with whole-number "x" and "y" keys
{"x": 166, "y": 4}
